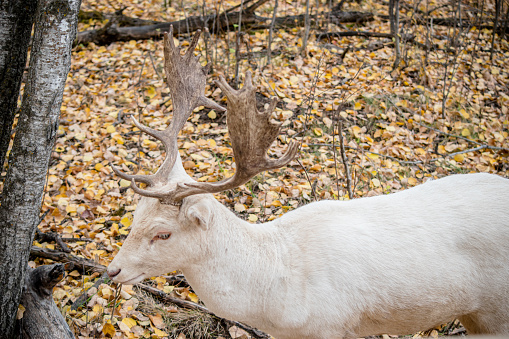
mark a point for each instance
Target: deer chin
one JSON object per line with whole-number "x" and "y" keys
{"x": 132, "y": 281}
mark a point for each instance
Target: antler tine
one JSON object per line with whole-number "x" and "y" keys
{"x": 251, "y": 133}
{"x": 186, "y": 79}
{"x": 146, "y": 179}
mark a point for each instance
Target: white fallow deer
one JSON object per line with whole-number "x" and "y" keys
{"x": 396, "y": 263}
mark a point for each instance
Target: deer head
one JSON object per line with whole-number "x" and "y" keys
{"x": 175, "y": 210}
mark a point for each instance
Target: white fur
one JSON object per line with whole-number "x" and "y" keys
{"x": 397, "y": 263}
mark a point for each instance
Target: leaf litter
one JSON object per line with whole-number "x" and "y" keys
{"x": 396, "y": 136}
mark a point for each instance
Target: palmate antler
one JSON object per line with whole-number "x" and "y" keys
{"x": 251, "y": 132}
{"x": 186, "y": 79}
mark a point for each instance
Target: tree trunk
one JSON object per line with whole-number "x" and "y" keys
{"x": 41, "y": 317}
{"x": 16, "y": 19}
{"x": 55, "y": 30}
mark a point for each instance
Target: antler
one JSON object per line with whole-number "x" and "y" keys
{"x": 251, "y": 134}
{"x": 186, "y": 79}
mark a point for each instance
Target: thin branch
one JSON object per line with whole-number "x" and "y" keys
{"x": 271, "y": 32}
{"x": 308, "y": 179}
{"x": 345, "y": 161}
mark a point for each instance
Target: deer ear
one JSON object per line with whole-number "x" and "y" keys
{"x": 199, "y": 213}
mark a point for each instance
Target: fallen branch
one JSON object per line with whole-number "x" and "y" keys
{"x": 71, "y": 261}
{"x": 214, "y": 23}
{"x": 143, "y": 29}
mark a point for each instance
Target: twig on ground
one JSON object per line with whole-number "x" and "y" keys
{"x": 308, "y": 179}
{"x": 83, "y": 297}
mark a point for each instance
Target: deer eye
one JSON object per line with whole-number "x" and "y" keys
{"x": 162, "y": 236}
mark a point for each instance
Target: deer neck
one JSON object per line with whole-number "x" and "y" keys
{"x": 240, "y": 263}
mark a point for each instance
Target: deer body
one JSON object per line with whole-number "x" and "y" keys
{"x": 395, "y": 264}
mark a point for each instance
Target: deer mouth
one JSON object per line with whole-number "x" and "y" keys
{"x": 133, "y": 281}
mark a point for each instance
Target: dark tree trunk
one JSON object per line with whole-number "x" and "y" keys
{"x": 41, "y": 317}
{"x": 55, "y": 30}
{"x": 16, "y": 19}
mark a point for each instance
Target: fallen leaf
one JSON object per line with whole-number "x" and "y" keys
{"x": 108, "y": 330}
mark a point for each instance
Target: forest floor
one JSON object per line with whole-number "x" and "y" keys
{"x": 443, "y": 110}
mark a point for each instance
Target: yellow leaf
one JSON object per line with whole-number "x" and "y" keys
{"x": 151, "y": 92}
{"x": 375, "y": 182}
{"x": 465, "y": 132}
{"x": 356, "y": 130}
{"x": 108, "y": 330}
{"x": 127, "y": 220}
{"x": 459, "y": 157}
{"x": 252, "y": 218}
{"x": 316, "y": 168}
{"x": 277, "y": 203}
{"x": 358, "y": 106}
{"x": 97, "y": 308}
{"x": 212, "y": 114}
{"x": 464, "y": 114}
{"x": 21, "y": 310}
{"x": 412, "y": 181}
{"x": 98, "y": 166}
{"x": 129, "y": 322}
{"x": 124, "y": 183}
{"x": 318, "y": 131}
{"x": 159, "y": 333}
{"x": 110, "y": 129}
{"x": 193, "y": 297}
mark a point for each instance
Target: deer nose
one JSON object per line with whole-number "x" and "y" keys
{"x": 113, "y": 274}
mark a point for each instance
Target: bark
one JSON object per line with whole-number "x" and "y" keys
{"x": 16, "y": 18}
{"x": 42, "y": 318}
{"x": 55, "y": 30}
